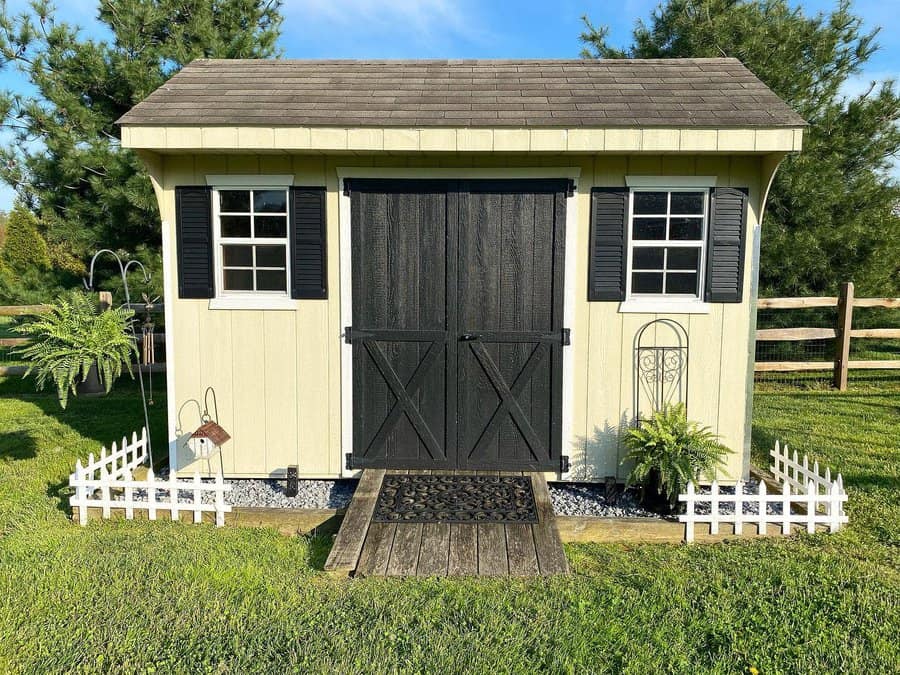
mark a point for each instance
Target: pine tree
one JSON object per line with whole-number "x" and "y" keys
{"x": 89, "y": 192}
{"x": 831, "y": 215}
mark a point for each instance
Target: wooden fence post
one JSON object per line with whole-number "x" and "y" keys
{"x": 842, "y": 334}
{"x": 105, "y": 300}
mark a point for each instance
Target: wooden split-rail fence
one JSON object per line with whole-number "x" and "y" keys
{"x": 842, "y": 333}
{"x": 105, "y": 301}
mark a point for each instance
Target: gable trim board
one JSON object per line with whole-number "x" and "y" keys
{"x": 325, "y": 139}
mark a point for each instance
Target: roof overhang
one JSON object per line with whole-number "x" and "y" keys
{"x": 172, "y": 139}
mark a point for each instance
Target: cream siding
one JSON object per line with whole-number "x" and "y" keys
{"x": 277, "y": 374}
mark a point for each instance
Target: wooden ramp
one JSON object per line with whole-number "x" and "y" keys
{"x": 365, "y": 548}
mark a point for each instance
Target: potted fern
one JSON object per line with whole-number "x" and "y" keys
{"x": 78, "y": 347}
{"x": 668, "y": 450}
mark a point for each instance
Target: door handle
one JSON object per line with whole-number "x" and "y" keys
{"x": 469, "y": 337}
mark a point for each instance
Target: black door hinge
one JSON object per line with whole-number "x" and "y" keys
{"x": 570, "y": 188}
{"x": 348, "y": 459}
{"x": 348, "y": 335}
{"x": 346, "y": 188}
{"x": 566, "y": 337}
{"x": 564, "y": 464}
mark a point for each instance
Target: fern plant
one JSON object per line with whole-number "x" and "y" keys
{"x": 64, "y": 343}
{"x": 673, "y": 448}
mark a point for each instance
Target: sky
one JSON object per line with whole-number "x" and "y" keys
{"x": 470, "y": 29}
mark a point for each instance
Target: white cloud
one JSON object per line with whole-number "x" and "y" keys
{"x": 367, "y": 27}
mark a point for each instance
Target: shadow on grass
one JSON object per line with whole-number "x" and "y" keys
{"x": 320, "y": 546}
{"x": 102, "y": 419}
{"x": 17, "y": 445}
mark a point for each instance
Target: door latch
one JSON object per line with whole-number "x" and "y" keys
{"x": 469, "y": 337}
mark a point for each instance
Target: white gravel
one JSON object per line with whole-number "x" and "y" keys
{"x": 569, "y": 499}
{"x": 751, "y": 487}
{"x": 311, "y": 494}
{"x": 588, "y": 499}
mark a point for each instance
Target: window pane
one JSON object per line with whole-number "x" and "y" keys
{"x": 683, "y": 259}
{"x": 649, "y": 228}
{"x": 685, "y": 229}
{"x": 646, "y": 282}
{"x": 238, "y": 280}
{"x": 647, "y": 259}
{"x": 237, "y": 256}
{"x": 650, "y": 202}
{"x": 270, "y": 256}
{"x": 234, "y": 200}
{"x": 687, "y": 202}
{"x": 271, "y": 226}
{"x": 270, "y": 280}
{"x": 270, "y": 201}
{"x": 681, "y": 282}
{"x": 235, "y": 226}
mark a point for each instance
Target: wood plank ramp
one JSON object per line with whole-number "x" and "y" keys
{"x": 364, "y": 548}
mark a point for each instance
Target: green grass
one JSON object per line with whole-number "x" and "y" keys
{"x": 164, "y": 597}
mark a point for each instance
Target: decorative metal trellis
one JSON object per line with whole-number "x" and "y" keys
{"x": 660, "y": 367}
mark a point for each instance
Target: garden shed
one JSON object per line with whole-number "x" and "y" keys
{"x": 458, "y": 264}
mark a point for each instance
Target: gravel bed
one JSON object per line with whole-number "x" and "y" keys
{"x": 569, "y": 499}
{"x": 589, "y": 499}
{"x": 751, "y": 487}
{"x": 311, "y": 494}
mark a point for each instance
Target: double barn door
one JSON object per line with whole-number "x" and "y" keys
{"x": 457, "y": 331}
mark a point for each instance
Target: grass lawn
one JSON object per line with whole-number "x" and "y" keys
{"x": 163, "y": 597}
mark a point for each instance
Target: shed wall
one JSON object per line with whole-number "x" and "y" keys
{"x": 277, "y": 374}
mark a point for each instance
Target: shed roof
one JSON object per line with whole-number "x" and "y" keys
{"x": 711, "y": 93}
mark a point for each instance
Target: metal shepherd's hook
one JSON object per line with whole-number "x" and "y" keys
{"x": 123, "y": 271}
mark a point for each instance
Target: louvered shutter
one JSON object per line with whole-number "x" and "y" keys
{"x": 308, "y": 264}
{"x": 725, "y": 254}
{"x": 609, "y": 244}
{"x": 193, "y": 234}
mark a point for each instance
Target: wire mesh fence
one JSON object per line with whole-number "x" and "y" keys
{"x": 792, "y": 362}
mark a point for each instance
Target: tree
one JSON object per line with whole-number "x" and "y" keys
{"x": 67, "y": 164}
{"x": 831, "y": 214}
{"x": 24, "y": 258}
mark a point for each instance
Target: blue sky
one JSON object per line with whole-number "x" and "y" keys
{"x": 471, "y": 29}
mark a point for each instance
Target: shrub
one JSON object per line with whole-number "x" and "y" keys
{"x": 24, "y": 248}
{"x": 674, "y": 449}
{"x": 72, "y": 337}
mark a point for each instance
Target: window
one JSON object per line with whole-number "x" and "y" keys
{"x": 666, "y": 243}
{"x": 251, "y": 230}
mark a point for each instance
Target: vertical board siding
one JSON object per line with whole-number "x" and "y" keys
{"x": 277, "y": 374}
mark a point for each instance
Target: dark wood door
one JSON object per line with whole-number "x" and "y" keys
{"x": 457, "y": 323}
{"x": 510, "y": 295}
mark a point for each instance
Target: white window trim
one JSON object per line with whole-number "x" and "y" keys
{"x": 662, "y": 303}
{"x": 267, "y": 300}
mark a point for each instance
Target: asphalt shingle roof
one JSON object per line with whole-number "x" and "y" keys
{"x": 466, "y": 93}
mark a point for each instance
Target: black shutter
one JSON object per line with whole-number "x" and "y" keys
{"x": 725, "y": 255}
{"x": 193, "y": 235}
{"x": 608, "y": 246}
{"x": 308, "y": 268}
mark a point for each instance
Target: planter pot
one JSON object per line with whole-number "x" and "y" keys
{"x": 654, "y": 500}
{"x": 91, "y": 385}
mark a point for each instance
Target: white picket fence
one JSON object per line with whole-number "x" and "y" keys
{"x": 807, "y": 499}
{"x": 107, "y": 483}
